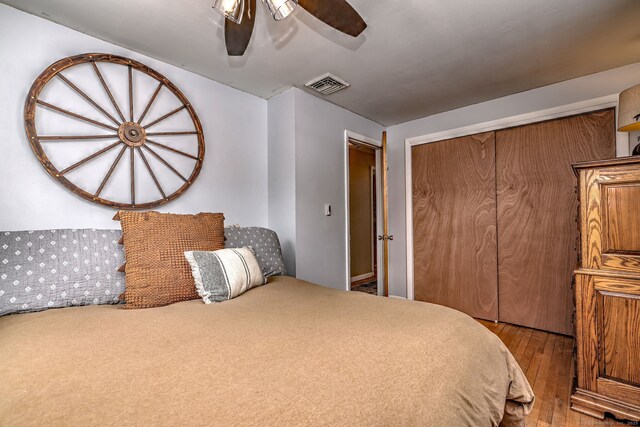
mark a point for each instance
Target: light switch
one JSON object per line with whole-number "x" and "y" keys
{"x": 327, "y": 209}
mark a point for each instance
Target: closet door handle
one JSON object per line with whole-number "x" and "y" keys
{"x": 385, "y": 237}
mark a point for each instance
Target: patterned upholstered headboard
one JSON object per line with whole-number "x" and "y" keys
{"x": 59, "y": 268}
{"x": 265, "y": 245}
{"x": 63, "y": 268}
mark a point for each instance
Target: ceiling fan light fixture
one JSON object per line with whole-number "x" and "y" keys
{"x": 230, "y": 9}
{"x": 280, "y": 9}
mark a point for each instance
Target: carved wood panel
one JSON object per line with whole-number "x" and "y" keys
{"x": 607, "y": 291}
{"x": 619, "y": 337}
{"x": 610, "y": 234}
{"x": 622, "y": 229}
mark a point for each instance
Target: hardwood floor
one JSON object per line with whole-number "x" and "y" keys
{"x": 547, "y": 361}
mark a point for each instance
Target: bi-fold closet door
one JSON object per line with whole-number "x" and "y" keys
{"x": 494, "y": 219}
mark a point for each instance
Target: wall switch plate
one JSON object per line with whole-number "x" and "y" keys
{"x": 327, "y": 209}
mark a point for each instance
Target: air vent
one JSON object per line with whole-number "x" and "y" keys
{"x": 327, "y": 84}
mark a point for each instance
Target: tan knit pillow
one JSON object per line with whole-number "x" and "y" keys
{"x": 157, "y": 271}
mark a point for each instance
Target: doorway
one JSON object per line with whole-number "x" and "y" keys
{"x": 363, "y": 194}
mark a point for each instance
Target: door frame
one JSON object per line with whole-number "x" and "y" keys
{"x": 377, "y": 145}
{"x": 622, "y": 149}
{"x": 373, "y": 190}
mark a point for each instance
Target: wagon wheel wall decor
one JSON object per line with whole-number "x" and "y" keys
{"x": 114, "y": 131}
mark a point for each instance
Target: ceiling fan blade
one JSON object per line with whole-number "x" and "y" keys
{"x": 237, "y": 36}
{"x": 338, "y": 14}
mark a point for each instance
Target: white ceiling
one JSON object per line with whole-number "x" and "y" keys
{"x": 416, "y": 58}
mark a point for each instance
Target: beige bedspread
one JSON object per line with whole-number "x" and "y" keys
{"x": 288, "y": 353}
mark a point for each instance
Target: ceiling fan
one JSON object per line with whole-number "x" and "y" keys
{"x": 241, "y": 15}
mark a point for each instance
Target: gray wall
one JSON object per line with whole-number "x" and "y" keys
{"x": 301, "y": 136}
{"x": 320, "y": 178}
{"x": 282, "y": 174}
{"x": 307, "y": 170}
{"x": 234, "y": 176}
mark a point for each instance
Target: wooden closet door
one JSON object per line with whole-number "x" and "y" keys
{"x": 537, "y": 205}
{"x": 454, "y": 224}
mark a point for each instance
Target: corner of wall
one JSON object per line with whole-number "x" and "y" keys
{"x": 320, "y": 179}
{"x": 281, "y": 173}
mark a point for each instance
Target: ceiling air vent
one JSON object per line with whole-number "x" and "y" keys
{"x": 327, "y": 84}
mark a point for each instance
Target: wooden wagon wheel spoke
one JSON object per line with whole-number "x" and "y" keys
{"x": 110, "y": 172}
{"x": 77, "y": 116}
{"x": 107, "y": 90}
{"x": 153, "y": 98}
{"x": 164, "y": 162}
{"x": 166, "y": 116}
{"x": 91, "y": 157}
{"x": 172, "y": 133}
{"x": 88, "y": 98}
{"x": 74, "y": 137}
{"x": 153, "y": 175}
{"x": 130, "y": 93}
{"x": 182, "y": 153}
{"x": 130, "y": 134}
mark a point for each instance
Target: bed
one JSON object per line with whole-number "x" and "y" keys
{"x": 287, "y": 353}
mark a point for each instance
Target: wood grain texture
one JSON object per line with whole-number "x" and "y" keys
{"x": 607, "y": 291}
{"x": 607, "y": 346}
{"x": 454, "y": 218}
{"x": 586, "y": 338}
{"x": 590, "y": 226}
{"x": 338, "y": 14}
{"x": 238, "y": 36}
{"x": 623, "y": 229}
{"x": 547, "y": 360}
{"x": 621, "y": 337}
{"x": 599, "y": 405}
{"x": 619, "y": 196}
{"x": 536, "y": 205}
{"x": 603, "y": 217}
{"x": 385, "y": 214}
{"x": 622, "y": 392}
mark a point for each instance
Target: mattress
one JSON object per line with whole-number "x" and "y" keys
{"x": 287, "y": 353}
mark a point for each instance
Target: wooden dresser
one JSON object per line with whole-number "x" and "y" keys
{"x": 607, "y": 290}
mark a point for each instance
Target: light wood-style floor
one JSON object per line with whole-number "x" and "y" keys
{"x": 547, "y": 361}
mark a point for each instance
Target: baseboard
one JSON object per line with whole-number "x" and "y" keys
{"x": 362, "y": 277}
{"x": 396, "y": 297}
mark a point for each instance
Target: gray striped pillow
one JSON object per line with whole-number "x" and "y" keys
{"x": 225, "y": 274}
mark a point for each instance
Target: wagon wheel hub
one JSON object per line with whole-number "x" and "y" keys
{"x": 132, "y": 134}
